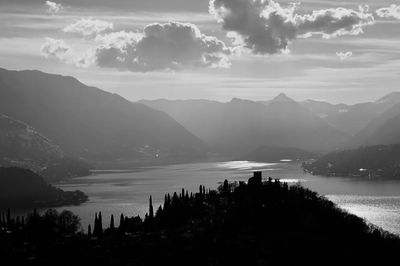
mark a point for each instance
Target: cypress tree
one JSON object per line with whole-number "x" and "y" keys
{"x": 96, "y": 225}
{"x": 121, "y": 222}
{"x": 89, "y": 231}
{"x": 100, "y": 220}
{"x": 151, "y": 211}
{"x": 112, "y": 222}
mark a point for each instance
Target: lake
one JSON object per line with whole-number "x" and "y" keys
{"x": 128, "y": 192}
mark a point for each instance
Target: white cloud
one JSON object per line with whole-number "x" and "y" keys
{"x": 54, "y": 48}
{"x": 335, "y": 22}
{"x": 165, "y": 46}
{"x": 393, "y": 11}
{"x": 344, "y": 55}
{"x": 53, "y": 8}
{"x": 265, "y": 27}
{"x": 88, "y": 27}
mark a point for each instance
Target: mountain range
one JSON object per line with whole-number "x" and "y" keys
{"x": 239, "y": 126}
{"x": 243, "y": 125}
{"x": 89, "y": 123}
{"x": 352, "y": 118}
{"x": 46, "y": 116}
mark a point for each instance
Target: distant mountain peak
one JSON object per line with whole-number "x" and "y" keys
{"x": 393, "y": 97}
{"x": 283, "y": 98}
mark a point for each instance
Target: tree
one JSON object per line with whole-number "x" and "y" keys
{"x": 112, "y": 222}
{"x": 68, "y": 222}
{"x": 151, "y": 210}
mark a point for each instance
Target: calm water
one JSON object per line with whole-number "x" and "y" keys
{"x": 116, "y": 192}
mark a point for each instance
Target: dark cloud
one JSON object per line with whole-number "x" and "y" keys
{"x": 265, "y": 27}
{"x": 161, "y": 46}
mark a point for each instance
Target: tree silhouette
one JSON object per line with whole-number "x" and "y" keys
{"x": 112, "y": 222}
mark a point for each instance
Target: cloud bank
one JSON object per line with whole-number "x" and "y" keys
{"x": 88, "y": 27}
{"x": 54, "y": 48}
{"x": 265, "y": 27}
{"x": 393, "y": 11}
{"x": 53, "y": 8}
{"x": 165, "y": 46}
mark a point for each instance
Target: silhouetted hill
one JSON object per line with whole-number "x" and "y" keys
{"x": 22, "y": 188}
{"x": 239, "y": 126}
{"x": 370, "y": 161}
{"x": 91, "y": 123}
{"x": 254, "y": 223}
{"x": 276, "y": 154}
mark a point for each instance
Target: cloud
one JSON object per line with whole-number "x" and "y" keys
{"x": 265, "y": 27}
{"x": 167, "y": 46}
{"x": 344, "y": 55}
{"x": 54, "y": 48}
{"x": 393, "y": 11}
{"x": 88, "y": 27}
{"x": 53, "y": 8}
{"x": 335, "y": 22}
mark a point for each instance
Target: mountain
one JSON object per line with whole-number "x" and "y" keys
{"x": 240, "y": 126}
{"x": 22, "y": 188}
{"x": 21, "y": 142}
{"x": 352, "y": 118}
{"x": 389, "y": 100}
{"x": 21, "y": 145}
{"x": 90, "y": 123}
{"x": 272, "y": 154}
{"x": 369, "y": 161}
{"x": 385, "y": 129}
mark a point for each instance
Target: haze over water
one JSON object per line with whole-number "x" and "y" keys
{"x": 116, "y": 192}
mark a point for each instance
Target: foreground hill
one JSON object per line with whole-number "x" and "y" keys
{"x": 21, "y": 188}
{"x": 254, "y": 223}
{"x": 91, "y": 123}
{"x": 240, "y": 126}
{"x": 21, "y": 145}
{"x": 370, "y": 161}
{"x": 273, "y": 154}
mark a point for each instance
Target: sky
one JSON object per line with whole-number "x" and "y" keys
{"x": 337, "y": 51}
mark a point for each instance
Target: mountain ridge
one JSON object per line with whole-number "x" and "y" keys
{"x": 91, "y": 123}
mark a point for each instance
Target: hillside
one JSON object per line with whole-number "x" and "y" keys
{"x": 21, "y": 188}
{"x": 385, "y": 129}
{"x": 22, "y": 146}
{"x": 19, "y": 141}
{"x": 240, "y": 126}
{"x": 371, "y": 161}
{"x": 91, "y": 123}
{"x": 254, "y": 223}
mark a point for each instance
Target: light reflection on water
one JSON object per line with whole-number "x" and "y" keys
{"x": 128, "y": 191}
{"x": 243, "y": 165}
